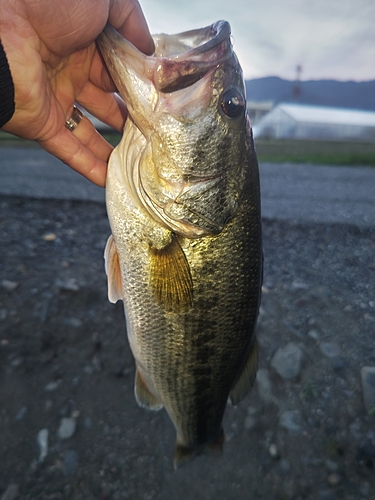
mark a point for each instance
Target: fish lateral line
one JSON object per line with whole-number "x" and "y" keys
{"x": 170, "y": 277}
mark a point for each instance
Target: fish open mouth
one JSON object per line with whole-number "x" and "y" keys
{"x": 179, "y": 60}
{"x": 200, "y": 50}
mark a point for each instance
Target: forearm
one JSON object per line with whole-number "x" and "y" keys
{"x": 7, "y": 105}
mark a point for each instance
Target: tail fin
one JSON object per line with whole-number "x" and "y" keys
{"x": 183, "y": 454}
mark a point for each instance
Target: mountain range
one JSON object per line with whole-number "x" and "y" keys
{"x": 354, "y": 95}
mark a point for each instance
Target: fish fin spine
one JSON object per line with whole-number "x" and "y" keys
{"x": 246, "y": 379}
{"x": 170, "y": 277}
{"x": 143, "y": 395}
{"x": 113, "y": 270}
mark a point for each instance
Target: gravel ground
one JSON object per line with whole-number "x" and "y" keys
{"x": 70, "y": 427}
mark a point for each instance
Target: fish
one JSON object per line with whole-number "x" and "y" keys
{"x": 185, "y": 253}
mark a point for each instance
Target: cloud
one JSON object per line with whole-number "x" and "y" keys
{"x": 330, "y": 39}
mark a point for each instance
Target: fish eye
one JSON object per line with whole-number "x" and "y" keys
{"x": 232, "y": 103}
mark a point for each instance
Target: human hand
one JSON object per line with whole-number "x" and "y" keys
{"x": 54, "y": 62}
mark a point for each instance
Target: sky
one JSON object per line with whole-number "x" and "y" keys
{"x": 329, "y": 39}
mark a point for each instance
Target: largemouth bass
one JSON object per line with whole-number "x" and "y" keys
{"x": 185, "y": 254}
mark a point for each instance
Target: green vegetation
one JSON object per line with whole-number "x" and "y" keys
{"x": 272, "y": 150}
{"x": 8, "y": 140}
{"x": 315, "y": 152}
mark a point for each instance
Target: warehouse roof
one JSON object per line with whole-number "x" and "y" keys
{"x": 322, "y": 114}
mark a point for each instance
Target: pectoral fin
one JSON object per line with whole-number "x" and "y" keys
{"x": 143, "y": 394}
{"x": 247, "y": 377}
{"x": 170, "y": 277}
{"x": 112, "y": 268}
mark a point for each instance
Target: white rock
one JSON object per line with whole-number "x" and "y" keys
{"x": 287, "y": 361}
{"x": 67, "y": 428}
{"x": 42, "y": 440}
{"x": 9, "y": 286}
{"x": 52, "y": 386}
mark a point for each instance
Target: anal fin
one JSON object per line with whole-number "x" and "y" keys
{"x": 112, "y": 268}
{"x": 143, "y": 394}
{"x": 170, "y": 277}
{"x": 247, "y": 377}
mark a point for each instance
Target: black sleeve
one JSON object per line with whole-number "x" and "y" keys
{"x": 7, "y": 104}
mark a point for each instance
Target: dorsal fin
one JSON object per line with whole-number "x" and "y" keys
{"x": 112, "y": 268}
{"x": 170, "y": 277}
{"x": 247, "y": 377}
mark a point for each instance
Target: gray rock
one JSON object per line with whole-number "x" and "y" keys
{"x": 249, "y": 422}
{"x": 284, "y": 466}
{"x": 73, "y": 322}
{"x": 67, "y": 428}
{"x": 365, "y": 488}
{"x": 334, "y": 479}
{"x": 265, "y": 386}
{"x": 273, "y": 451}
{"x": 70, "y": 462}
{"x": 52, "y": 386}
{"x": 287, "y": 361}
{"x": 332, "y": 466}
{"x": 42, "y": 440}
{"x": 70, "y": 284}
{"x": 291, "y": 421}
{"x": 11, "y": 492}
{"x": 313, "y": 334}
{"x": 9, "y": 286}
{"x": 299, "y": 285}
{"x": 330, "y": 349}
{"x": 368, "y": 387}
{"x": 87, "y": 423}
{"x": 21, "y": 414}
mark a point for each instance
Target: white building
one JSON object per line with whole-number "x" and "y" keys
{"x": 257, "y": 109}
{"x": 294, "y": 121}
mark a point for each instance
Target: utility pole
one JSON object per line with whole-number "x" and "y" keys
{"x": 296, "y": 90}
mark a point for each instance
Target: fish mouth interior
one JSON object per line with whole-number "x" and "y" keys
{"x": 185, "y": 58}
